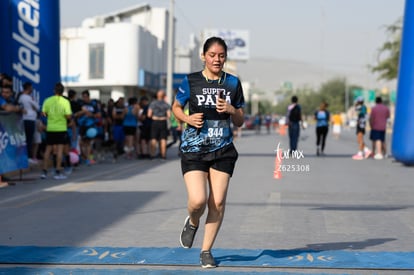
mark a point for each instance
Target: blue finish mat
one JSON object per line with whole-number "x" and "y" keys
{"x": 225, "y": 257}
{"x": 86, "y": 271}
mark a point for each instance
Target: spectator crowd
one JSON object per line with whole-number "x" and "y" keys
{"x": 140, "y": 128}
{"x": 132, "y": 128}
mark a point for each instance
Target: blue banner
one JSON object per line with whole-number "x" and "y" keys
{"x": 33, "y": 36}
{"x": 403, "y": 132}
{"x": 5, "y": 63}
{"x": 13, "y": 151}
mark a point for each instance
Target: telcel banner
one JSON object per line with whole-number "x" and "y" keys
{"x": 31, "y": 49}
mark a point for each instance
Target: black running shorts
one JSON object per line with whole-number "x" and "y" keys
{"x": 55, "y": 138}
{"x": 159, "y": 129}
{"x": 223, "y": 160}
{"x": 145, "y": 133}
{"x": 130, "y": 131}
{"x": 360, "y": 130}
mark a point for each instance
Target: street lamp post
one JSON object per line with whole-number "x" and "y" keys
{"x": 170, "y": 52}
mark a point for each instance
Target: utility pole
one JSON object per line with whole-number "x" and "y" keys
{"x": 346, "y": 98}
{"x": 170, "y": 53}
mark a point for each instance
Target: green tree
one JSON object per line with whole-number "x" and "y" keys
{"x": 389, "y": 53}
{"x": 333, "y": 92}
{"x": 281, "y": 107}
{"x": 265, "y": 107}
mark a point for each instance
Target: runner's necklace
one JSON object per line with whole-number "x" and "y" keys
{"x": 220, "y": 82}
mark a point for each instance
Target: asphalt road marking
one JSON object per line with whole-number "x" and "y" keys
{"x": 54, "y": 192}
{"x": 344, "y": 222}
{"x": 271, "y": 213}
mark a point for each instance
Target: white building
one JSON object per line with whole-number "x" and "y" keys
{"x": 124, "y": 54}
{"x": 119, "y": 54}
{"x": 188, "y": 59}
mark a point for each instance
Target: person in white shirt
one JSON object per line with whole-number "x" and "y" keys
{"x": 31, "y": 108}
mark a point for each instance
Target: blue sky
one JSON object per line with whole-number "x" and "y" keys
{"x": 340, "y": 33}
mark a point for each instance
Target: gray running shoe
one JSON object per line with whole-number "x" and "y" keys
{"x": 43, "y": 175}
{"x": 188, "y": 234}
{"x": 68, "y": 170}
{"x": 207, "y": 260}
{"x": 59, "y": 176}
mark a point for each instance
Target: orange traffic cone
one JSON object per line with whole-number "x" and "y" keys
{"x": 277, "y": 173}
{"x": 282, "y": 130}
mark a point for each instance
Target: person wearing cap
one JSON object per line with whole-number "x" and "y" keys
{"x": 361, "y": 110}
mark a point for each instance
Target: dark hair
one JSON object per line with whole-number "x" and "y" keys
{"x": 8, "y": 87}
{"x": 5, "y": 77}
{"x": 378, "y": 99}
{"x": 143, "y": 98}
{"x": 294, "y": 99}
{"x": 132, "y": 100}
{"x": 213, "y": 40}
{"x": 119, "y": 100}
{"x": 85, "y": 92}
{"x": 27, "y": 85}
{"x": 71, "y": 93}
{"x": 59, "y": 88}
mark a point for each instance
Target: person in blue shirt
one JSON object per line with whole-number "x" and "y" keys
{"x": 130, "y": 124}
{"x": 118, "y": 114}
{"x": 87, "y": 120}
{"x": 7, "y": 102}
{"x": 322, "y": 117}
{"x": 208, "y": 156}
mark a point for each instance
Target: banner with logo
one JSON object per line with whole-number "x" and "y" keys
{"x": 238, "y": 42}
{"x": 13, "y": 151}
{"x": 30, "y": 32}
